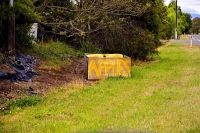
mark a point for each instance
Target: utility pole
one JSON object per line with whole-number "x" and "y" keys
{"x": 11, "y": 30}
{"x": 176, "y": 25}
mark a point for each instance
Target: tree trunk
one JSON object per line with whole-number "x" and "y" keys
{"x": 11, "y": 31}
{"x": 81, "y": 3}
{"x": 11, "y": 34}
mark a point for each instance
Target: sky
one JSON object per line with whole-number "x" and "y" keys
{"x": 188, "y": 6}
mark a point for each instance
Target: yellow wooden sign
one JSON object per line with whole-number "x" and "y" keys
{"x": 104, "y": 65}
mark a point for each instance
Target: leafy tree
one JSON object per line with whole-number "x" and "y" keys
{"x": 3, "y": 18}
{"x": 155, "y": 25}
{"x": 187, "y": 19}
{"x": 184, "y": 20}
{"x": 25, "y": 15}
{"x": 113, "y": 26}
{"x": 196, "y": 25}
{"x": 171, "y": 19}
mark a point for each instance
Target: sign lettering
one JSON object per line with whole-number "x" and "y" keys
{"x": 98, "y": 67}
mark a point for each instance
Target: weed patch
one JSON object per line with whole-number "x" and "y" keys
{"x": 25, "y": 102}
{"x": 55, "y": 55}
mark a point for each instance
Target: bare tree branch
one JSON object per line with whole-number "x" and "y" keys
{"x": 43, "y": 6}
{"x": 94, "y": 16}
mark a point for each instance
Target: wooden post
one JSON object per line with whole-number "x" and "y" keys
{"x": 11, "y": 31}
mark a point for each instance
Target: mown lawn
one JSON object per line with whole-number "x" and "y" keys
{"x": 161, "y": 97}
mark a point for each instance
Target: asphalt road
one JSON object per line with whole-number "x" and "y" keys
{"x": 195, "y": 40}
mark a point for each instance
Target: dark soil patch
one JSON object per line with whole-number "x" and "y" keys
{"x": 44, "y": 82}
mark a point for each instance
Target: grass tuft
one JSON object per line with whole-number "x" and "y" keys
{"x": 55, "y": 55}
{"x": 25, "y": 102}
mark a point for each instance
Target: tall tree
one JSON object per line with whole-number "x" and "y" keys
{"x": 11, "y": 30}
{"x": 24, "y": 15}
{"x": 3, "y": 23}
{"x": 187, "y": 22}
{"x": 112, "y": 25}
{"x": 184, "y": 20}
{"x": 158, "y": 13}
{"x": 196, "y": 25}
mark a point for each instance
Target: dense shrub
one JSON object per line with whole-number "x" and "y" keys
{"x": 136, "y": 43}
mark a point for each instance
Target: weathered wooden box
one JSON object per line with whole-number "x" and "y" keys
{"x": 98, "y": 66}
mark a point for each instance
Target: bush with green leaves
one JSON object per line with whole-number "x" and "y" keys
{"x": 25, "y": 15}
{"x": 107, "y": 26}
{"x": 136, "y": 43}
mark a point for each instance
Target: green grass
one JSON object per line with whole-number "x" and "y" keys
{"x": 54, "y": 55}
{"x": 160, "y": 97}
{"x": 25, "y": 102}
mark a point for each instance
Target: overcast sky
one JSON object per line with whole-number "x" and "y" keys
{"x": 188, "y": 6}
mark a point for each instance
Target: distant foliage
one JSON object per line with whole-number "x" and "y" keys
{"x": 196, "y": 26}
{"x": 184, "y": 22}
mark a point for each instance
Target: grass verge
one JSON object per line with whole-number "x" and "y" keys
{"x": 162, "y": 96}
{"x": 55, "y": 55}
